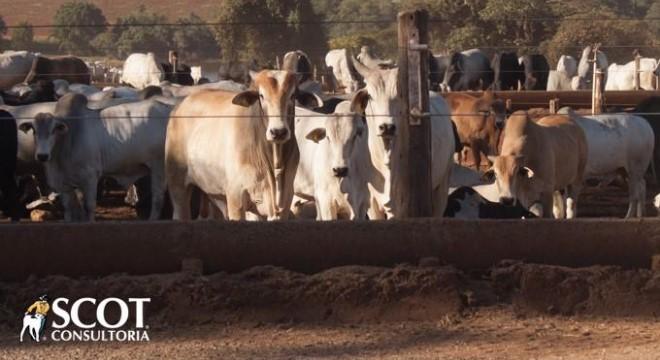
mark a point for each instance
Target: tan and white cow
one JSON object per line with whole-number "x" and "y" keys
{"x": 539, "y": 158}
{"x": 236, "y": 148}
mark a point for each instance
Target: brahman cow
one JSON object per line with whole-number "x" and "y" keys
{"x": 142, "y": 70}
{"x": 622, "y": 77}
{"x": 298, "y": 63}
{"x": 468, "y": 70}
{"x": 14, "y": 67}
{"x": 79, "y": 145}
{"x": 334, "y": 162}
{"x": 69, "y": 68}
{"x": 649, "y": 109}
{"x": 560, "y": 79}
{"x": 618, "y": 144}
{"x": 387, "y": 142}
{"x": 508, "y": 73}
{"x": 467, "y": 204}
{"x": 235, "y": 147}
{"x": 584, "y": 78}
{"x": 477, "y": 121}
{"x": 537, "y": 159}
{"x": 343, "y": 70}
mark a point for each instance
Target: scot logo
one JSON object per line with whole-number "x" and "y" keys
{"x": 68, "y": 326}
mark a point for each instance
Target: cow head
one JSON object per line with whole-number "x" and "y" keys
{"x": 381, "y": 105}
{"x": 47, "y": 131}
{"x": 275, "y": 93}
{"x": 343, "y": 132}
{"x": 512, "y": 177}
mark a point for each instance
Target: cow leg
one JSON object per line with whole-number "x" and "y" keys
{"x": 641, "y": 202}
{"x": 235, "y": 206}
{"x": 325, "y": 209}
{"x": 375, "y": 212}
{"x": 180, "y": 197}
{"x": 89, "y": 198}
{"x": 572, "y": 193}
{"x": 634, "y": 195}
{"x": 558, "y": 209}
{"x": 157, "y": 192}
{"x": 71, "y": 205}
{"x": 476, "y": 148}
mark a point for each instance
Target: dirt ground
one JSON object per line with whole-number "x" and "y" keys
{"x": 512, "y": 311}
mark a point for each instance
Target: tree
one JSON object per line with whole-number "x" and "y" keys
{"x": 261, "y": 30}
{"x": 194, "y": 41}
{"x": 140, "y": 31}
{"x": 74, "y": 38}
{"x": 518, "y": 23}
{"x": 22, "y": 36}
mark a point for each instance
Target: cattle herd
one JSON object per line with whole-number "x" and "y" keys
{"x": 286, "y": 146}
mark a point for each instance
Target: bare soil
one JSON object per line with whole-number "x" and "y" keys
{"x": 511, "y": 311}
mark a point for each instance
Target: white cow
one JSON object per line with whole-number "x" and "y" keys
{"x": 387, "y": 144}
{"x": 616, "y": 143}
{"x": 78, "y": 145}
{"x": 584, "y": 78}
{"x": 142, "y": 70}
{"x": 622, "y": 77}
{"x": 343, "y": 70}
{"x": 174, "y": 90}
{"x": 334, "y": 162}
{"x": 14, "y": 67}
{"x": 560, "y": 79}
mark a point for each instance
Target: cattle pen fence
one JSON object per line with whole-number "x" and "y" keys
{"x": 137, "y": 248}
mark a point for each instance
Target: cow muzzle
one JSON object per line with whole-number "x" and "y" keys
{"x": 340, "y": 172}
{"x": 387, "y": 130}
{"x": 43, "y": 157}
{"x": 278, "y": 135}
{"x": 508, "y": 201}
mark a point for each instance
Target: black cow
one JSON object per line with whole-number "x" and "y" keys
{"x": 181, "y": 76}
{"x": 468, "y": 70}
{"x": 41, "y": 91}
{"x": 8, "y": 152}
{"x": 508, "y": 72}
{"x": 466, "y": 203}
{"x": 298, "y": 62}
{"x": 536, "y": 72}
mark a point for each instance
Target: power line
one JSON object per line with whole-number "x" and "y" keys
{"x": 317, "y": 22}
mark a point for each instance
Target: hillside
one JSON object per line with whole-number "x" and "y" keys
{"x": 39, "y": 12}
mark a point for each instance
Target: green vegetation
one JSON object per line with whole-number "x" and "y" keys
{"x": 243, "y": 30}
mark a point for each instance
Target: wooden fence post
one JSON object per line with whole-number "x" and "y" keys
{"x": 278, "y": 66}
{"x": 597, "y": 86}
{"x": 414, "y": 90}
{"x": 553, "y": 105}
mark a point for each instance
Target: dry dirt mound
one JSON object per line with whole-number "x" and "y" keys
{"x": 354, "y": 294}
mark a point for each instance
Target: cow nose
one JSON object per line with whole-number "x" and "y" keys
{"x": 340, "y": 172}
{"x": 387, "y": 129}
{"x": 506, "y": 201}
{"x": 42, "y": 157}
{"x": 279, "y": 133}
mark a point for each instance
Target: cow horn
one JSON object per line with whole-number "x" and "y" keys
{"x": 363, "y": 70}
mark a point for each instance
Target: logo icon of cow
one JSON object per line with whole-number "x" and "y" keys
{"x": 35, "y": 322}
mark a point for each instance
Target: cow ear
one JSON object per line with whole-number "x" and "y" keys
{"x": 253, "y": 74}
{"x": 359, "y": 102}
{"x": 492, "y": 158}
{"x": 316, "y": 135}
{"x": 488, "y": 176}
{"x": 526, "y": 172}
{"x": 26, "y": 127}
{"x": 246, "y": 98}
{"x": 309, "y": 100}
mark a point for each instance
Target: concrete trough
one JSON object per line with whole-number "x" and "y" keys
{"x": 161, "y": 247}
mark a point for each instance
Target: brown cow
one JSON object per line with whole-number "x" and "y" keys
{"x": 69, "y": 68}
{"x": 477, "y": 120}
{"x": 539, "y": 158}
